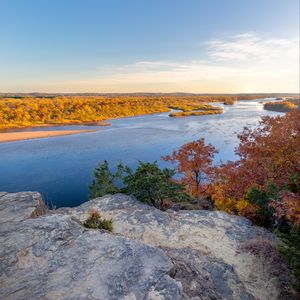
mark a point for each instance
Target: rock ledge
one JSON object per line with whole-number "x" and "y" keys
{"x": 150, "y": 254}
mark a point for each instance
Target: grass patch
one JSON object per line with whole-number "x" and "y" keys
{"x": 94, "y": 221}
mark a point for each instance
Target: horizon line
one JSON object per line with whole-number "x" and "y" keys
{"x": 144, "y": 92}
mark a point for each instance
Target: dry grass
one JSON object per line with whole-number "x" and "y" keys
{"x": 267, "y": 250}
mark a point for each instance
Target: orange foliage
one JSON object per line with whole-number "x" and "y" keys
{"x": 268, "y": 154}
{"x": 194, "y": 162}
{"x": 94, "y": 213}
{"x": 246, "y": 209}
{"x": 288, "y": 207}
{"x": 271, "y": 153}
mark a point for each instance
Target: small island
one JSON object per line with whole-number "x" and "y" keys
{"x": 283, "y": 106}
{"x": 196, "y": 110}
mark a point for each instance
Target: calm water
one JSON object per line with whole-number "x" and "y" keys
{"x": 61, "y": 168}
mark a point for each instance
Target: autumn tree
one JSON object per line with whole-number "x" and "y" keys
{"x": 264, "y": 184}
{"x": 194, "y": 164}
{"x": 287, "y": 207}
{"x": 269, "y": 155}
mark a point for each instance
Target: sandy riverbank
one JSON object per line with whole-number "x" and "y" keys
{"x": 27, "y": 135}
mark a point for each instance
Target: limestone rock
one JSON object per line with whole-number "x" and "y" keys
{"x": 54, "y": 257}
{"x": 205, "y": 243}
{"x": 150, "y": 254}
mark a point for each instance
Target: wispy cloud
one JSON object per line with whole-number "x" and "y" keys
{"x": 140, "y": 66}
{"x": 247, "y": 62}
{"x": 237, "y": 55}
{"x": 250, "y": 46}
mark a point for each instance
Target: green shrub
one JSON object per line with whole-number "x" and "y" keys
{"x": 148, "y": 183}
{"x": 104, "y": 181}
{"x": 153, "y": 185}
{"x": 290, "y": 250}
{"x": 94, "y": 221}
{"x": 262, "y": 199}
{"x": 106, "y": 225}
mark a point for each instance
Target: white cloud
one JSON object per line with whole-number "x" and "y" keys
{"x": 246, "y": 62}
{"x": 250, "y": 46}
{"x": 242, "y": 63}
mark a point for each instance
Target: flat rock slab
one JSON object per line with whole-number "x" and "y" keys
{"x": 55, "y": 257}
{"x": 150, "y": 254}
{"x": 207, "y": 243}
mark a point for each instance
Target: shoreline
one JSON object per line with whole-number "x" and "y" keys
{"x": 103, "y": 123}
{"x": 6, "y": 137}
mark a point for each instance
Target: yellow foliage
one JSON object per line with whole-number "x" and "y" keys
{"x": 28, "y": 110}
{"x": 222, "y": 203}
{"x": 225, "y": 204}
{"x": 246, "y": 209}
{"x": 36, "y": 111}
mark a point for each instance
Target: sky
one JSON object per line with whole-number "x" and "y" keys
{"x": 197, "y": 46}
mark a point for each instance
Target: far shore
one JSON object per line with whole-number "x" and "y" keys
{"x": 28, "y": 135}
{"x": 104, "y": 122}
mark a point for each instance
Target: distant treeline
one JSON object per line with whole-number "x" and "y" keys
{"x": 242, "y": 96}
{"x": 21, "y": 110}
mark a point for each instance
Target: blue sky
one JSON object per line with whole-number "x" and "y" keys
{"x": 154, "y": 45}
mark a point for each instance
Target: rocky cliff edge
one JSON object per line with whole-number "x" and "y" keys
{"x": 150, "y": 254}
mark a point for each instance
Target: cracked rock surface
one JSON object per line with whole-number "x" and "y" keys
{"x": 54, "y": 257}
{"x": 150, "y": 254}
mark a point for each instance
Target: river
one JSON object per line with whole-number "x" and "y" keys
{"x": 61, "y": 168}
